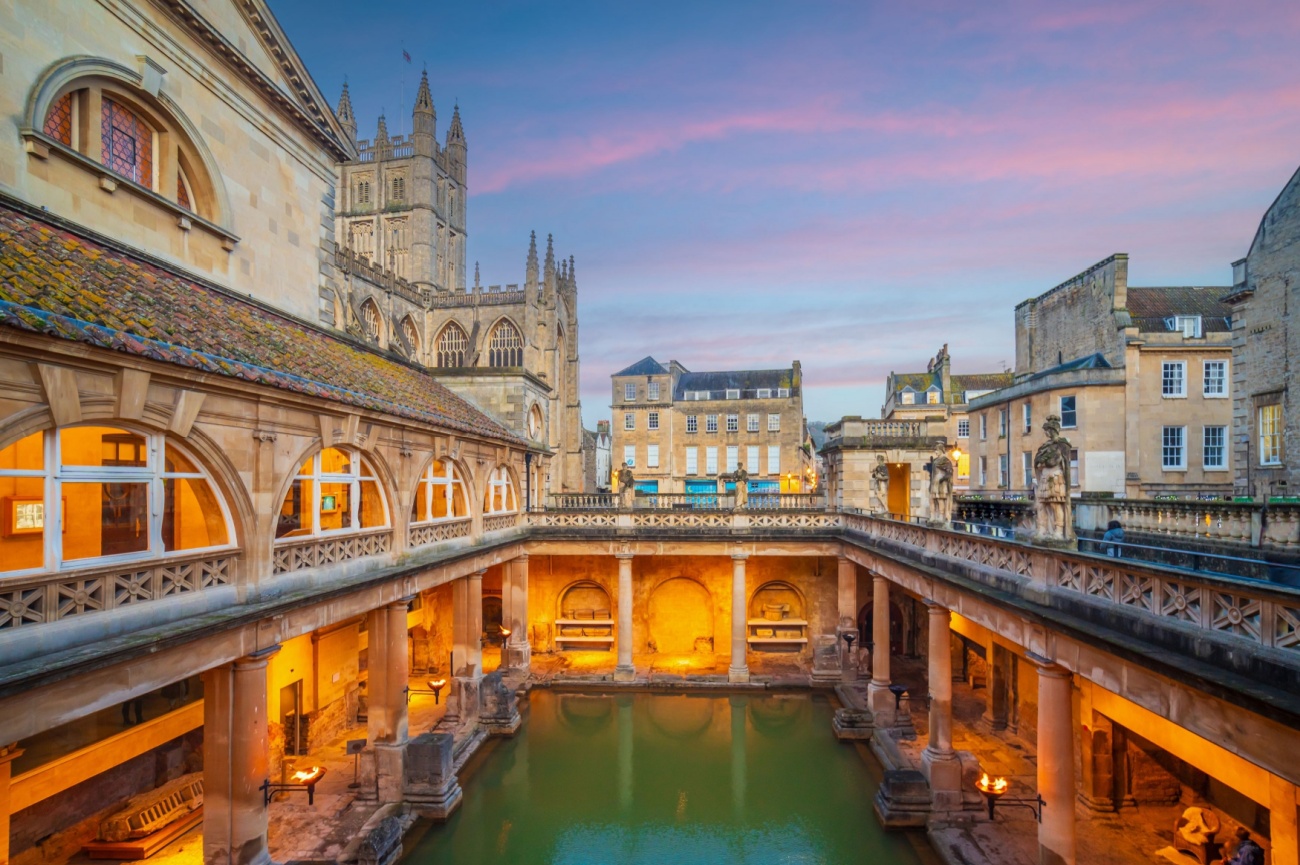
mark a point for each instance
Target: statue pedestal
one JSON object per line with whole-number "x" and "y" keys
{"x": 1053, "y": 543}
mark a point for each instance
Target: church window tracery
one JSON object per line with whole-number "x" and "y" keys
{"x": 412, "y": 334}
{"x": 371, "y": 319}
{"x": 452, "y": 344}
{"x": 506, "y": 347}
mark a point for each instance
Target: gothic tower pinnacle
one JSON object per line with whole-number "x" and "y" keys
{"x": 346, "y": 118}
{"x": 423, "y": 120}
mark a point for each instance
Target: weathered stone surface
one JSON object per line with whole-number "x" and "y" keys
{"x": 903, "y": 800}
{"x": 383, "y": 844}
{"x": 431, "y": 787}
{"x": 853, "y": 724}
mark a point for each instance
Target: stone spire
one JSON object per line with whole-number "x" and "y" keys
{"x": 532, "y": 258}
{"x": 423, "y": 119}
{"x": 381, "y": 136}
{"x": 346, "y": 118}
{"x": 456, "y": 132}
{"x": 456, "y": 147}
{"x": 573, "y": 274}
{"x": 548, "y": 269}
{"x": 476, "y": 282}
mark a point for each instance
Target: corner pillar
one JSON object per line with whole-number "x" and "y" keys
{"x": 939, "y": 761}
{"x": 1056, "y": 837}
{"x": 847, "y": 604}
{"x": 881, "y": 700}
{"x": 236, "y": 761}
{"x": 739, "y": 669}
{"x": 625, "y": 671}
{"x": 388, "y": 713}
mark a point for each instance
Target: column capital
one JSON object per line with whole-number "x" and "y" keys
{"x": 522, "y": 558}
{"x": 739, "y": 557}
{"x": 476, "y": 575}
{"x": 257, "y": 658}
{"x": 403, "y": 603}
{"x": 625, "y": 556}
{"x": 935, "y": 608}
{"x": 1047, "y": 667}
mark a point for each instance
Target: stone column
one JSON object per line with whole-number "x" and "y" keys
{"x": 847, "y": 601}
{"x": 882, "y": 702}
{"x": 519, "y": 648}
{"x": 1055, "y": 765}
{"x": 1284, "y": 820}
{"x": 236, "y": 761}
{"x": 939, "y": 762}
{"x": 388, "y": 714}
{"x": 8, "y": 753}
{"x": 474, "y": 625}
{"x": 739, "y": 669}
{"x": 625, "y": 671}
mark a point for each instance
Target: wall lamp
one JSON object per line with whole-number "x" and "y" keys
{"x": 995, "y": 790}
{"x": 303, "y": 779}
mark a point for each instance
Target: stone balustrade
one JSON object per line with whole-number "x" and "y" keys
{"x": 423, "y": 534}
{"x": 1275, "y": 527}
{"x": 295, "y": 555}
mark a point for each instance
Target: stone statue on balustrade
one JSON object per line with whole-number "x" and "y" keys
{"x": 626, "y": 488}
{"x": 941, "y": 477}
{"x": 880, "y": 480}
{"x": 1053, "y": 524}
{"x": 741, "y": 477}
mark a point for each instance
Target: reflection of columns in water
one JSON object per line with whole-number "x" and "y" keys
{"x": 625, "y": 671}
{"x": 1056, "y": 838}
{"x": 236, "y": 761}
{"x": 739, "y": 669}
{"x": 738, "y": 757}
{"x": 625, "y": 740}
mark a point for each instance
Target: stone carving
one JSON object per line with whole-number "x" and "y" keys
{"x": 1053, "y": 525}
{"x": 626, "y": 488}
{"x": 741, "y": 477}
{"x": 941, "y": 474}
{"x": 498, "y": 706}
{"x": 880, "y": 479}
{"x": 154, "y": 809}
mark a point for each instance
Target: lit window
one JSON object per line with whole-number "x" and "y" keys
{"x": 336, "y": 490}
{"x": 104, "y": 481}
{"x": 127, "y": 143}
{"x": 500, "y": 496}
{"x": 1173, "y": 378}
{"x": 692, "y": 423}
{"x": 908, "y": 397}
{"x": 751, "y": 423}
{"x": 629, "y": 392}
{"x": 963, "y": 428}
{"x": 733, "y": 423}
{"x": 692, "y": 461}
{"x": 711, "y": 423}
{"x": 652, "y": 456}
{"x": 506, "y": 347}
{"x": 1173, "y": 451}
{"x": 1214, "y": 451}
{"x": 1215, "y": 378}
{"x": 652, "y": 391}
{"x": 451, "y": 346}
{"x": 440, "y": 494}
{"x": 1270, "y": 435}
{"x": 629, "y": 421}
{"x": 932, "y": 396}
{"x": 774, "y": 423}
{"x": 1069, "y": 412}
{"x": 652, "y": 420}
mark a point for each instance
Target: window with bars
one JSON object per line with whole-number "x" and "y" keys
{"x": 1215, "y": 378}
{"x": 692, "y": 423}
{"x": 1270, "y": 435}
{"x": 1173, "y": 448}
{"x": 1173, "y": 378}
{"x": 363, "y": 192}
{"x": 127, "y": 143}
{"x": 963, "y": 428}
{"x": 506, "y": 347}
{"x": 451, "y": 346}
{"x": 1214, "y": 448}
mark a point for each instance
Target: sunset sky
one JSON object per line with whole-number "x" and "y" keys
{"x": 848, "y": 184}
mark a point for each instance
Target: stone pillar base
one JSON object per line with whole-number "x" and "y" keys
{"x": 389, "y": 770}
{"x": 518, "y": 657}
{"x": 943, "y": 772}
{"x": 1100, "y": 804}
{"x": 738, "y": 676}
{"x": 501, "y": 726}
{"x": 853, "y": 725}
{"x": 625, "y": 674}
{"x": 432, "y": 789}
{"x": 881, "y": 703}
{"x": 903, "y": 800}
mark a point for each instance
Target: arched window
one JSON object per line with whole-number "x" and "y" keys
{"x": 335, "y": 491}
{"x": 506, "y": 347}
{"x": 412, "y": 334}
{"x": 440, "y": 494}
{"x": 58, "y": 122}
{"x": 77, "y": 495}
{"x": 500, "y": 498}
{"x": 127, "y": 142}
{"x": 371, "y": 319}
{"x": 451, "y": 346}
{"x": 535, "y": 422}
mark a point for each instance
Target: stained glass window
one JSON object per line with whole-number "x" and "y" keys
{"x": 127, "y": 143}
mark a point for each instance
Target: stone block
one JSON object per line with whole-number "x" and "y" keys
{"x": 903, "y": 800}
{"x": 431, "y": 787}
{"x": 853, "y": 725}
{"x": 382, "y": 845}
{"x": 498, "y": 707}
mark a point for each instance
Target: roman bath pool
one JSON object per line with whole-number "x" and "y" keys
{"x": 669, "y": 778}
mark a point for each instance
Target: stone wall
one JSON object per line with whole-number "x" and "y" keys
{"x": 1075, "y": 319}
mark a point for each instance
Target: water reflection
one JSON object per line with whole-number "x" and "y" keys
{"x": 648, "y": 778}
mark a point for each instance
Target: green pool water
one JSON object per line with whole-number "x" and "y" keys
{"x": 651, "y": 778}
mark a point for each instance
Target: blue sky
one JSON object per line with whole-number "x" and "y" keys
{"x": 848, "y": 184}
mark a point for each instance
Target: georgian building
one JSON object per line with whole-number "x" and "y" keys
{"x": 679, "y": 430}
{"x": 1140, "y": 377}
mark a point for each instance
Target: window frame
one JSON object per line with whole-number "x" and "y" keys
{"x": 652, "y": 456}
{"x": 711, "y": 460}
{"x": 1276, "y": 430}
{"x": 963, "y": 428}
{"x": 154, "y": 474}
{"x": 733, "y": 423}
{"x": 692, "y": 460}
{"x": 1222, "y": 464}
{"x": 1166, "y": 447}
{"x": 629, "y": 391}
{"x": 711, "y": 423}
{"x": 751, "y": 422}
{"x": 652, "y": 391}
{"x": 1222, "y": 393}
{"x": 733, "y": 393}
{"x": 355, "y": 479}
{"x": 692, "y": 423}
{"x": 629, "y": 421}
{"x": 1074, "y": 411}
{"x": 774, "y": 422}
{"x": 774, "y": 460}
{"x": 453, "y": 479}
{"x": 652, "y": 420}
{"x": 629, "y": 455}
{"x": 1027, "y": 415}
{"x": 499, "y": 479}
{"x": 1167, "y": 382}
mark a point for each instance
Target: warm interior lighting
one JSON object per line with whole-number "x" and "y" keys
{"x": 956, "y": 455}
{"x": 997, "y": 787}
{"x": 505, "y": 632}
{"x": 437, "y": 684}
{"x": 307, "y": 776}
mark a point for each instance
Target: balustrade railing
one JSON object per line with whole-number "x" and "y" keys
{"x": 297, "y": 554}
{"x": 422, "y": 534}
{"x": 52, "y": 597}
{"x": 500, "y": 522}
{"x": 758, "y": 501}
{"x": 1275, "y": 526}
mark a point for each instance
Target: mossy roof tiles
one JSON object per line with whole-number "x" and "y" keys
{"x": 55, "y": 282}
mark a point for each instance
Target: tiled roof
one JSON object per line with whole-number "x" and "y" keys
{"x": 645, "y": 366}
{"x": 1091, "y": 361}
{"x": 743, "y": 380}
{"x": 981, "y": 381}
{"x": 58, "y": 283}
{"x": 1149, "y": 307}
{"x": 916, "y": 380}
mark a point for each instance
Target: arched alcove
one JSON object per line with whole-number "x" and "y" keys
{"x": 681, "y": 617}
{"x": 778, "y": 618}
{"x": 585, "y": 618}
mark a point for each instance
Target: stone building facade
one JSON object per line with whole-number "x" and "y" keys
{"x": 1266, "y": 420}
{"x": 399, "y": 238}
{"x": 1141, "y": 378}
{"x": 680, "y": 430}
